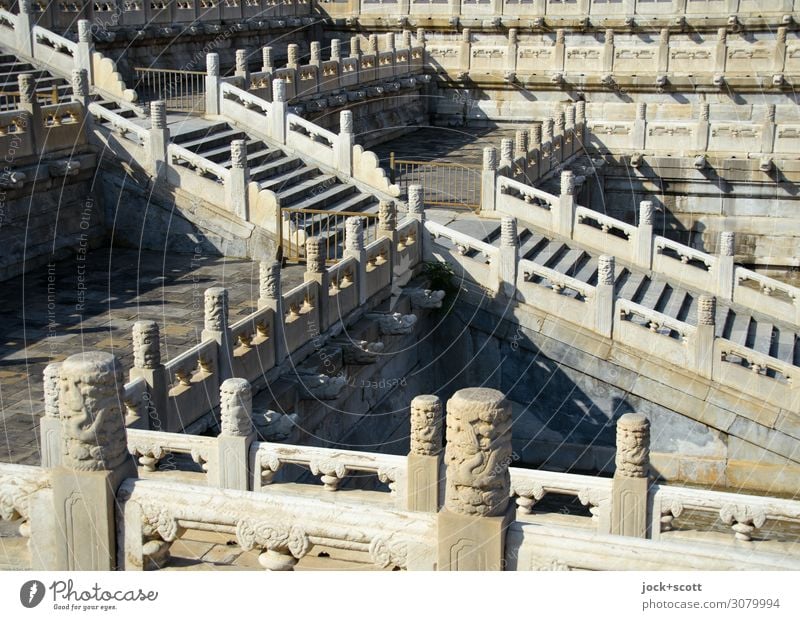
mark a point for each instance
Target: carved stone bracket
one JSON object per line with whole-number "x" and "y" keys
{"x": 330, "y": 472}
{"x": 283, "y": 544}
{"x": 742, "y": 519}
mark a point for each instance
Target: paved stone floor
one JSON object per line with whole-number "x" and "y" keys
{"x": 73, "y": 306}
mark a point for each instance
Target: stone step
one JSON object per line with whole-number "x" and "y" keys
{"x": 785, "y": 345}
{"x": 761, "y": 338}
{"x": 212, "y": 141}
{"x": 205, "y": 130}
{"x": 298, "y": 191}
{"x": 569, "y": 262}
{"x": 649, "y": 295}
{"x": 274, "y": 167}
{"x": 326, "y": 226}
{"x": 222, "y": 153}
{"x": 554, "y": 253}
{"x": 533, "y": 245}
{"x": 291, "y": 178}
{"x": 736, "y": 327}
{"x": 588, "y": 271}
{"x": 329, "y": 196}
{"x": 114, "y": 107}
{"x": 628, "y": 284}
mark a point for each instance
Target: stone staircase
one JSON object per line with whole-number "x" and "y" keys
{"x": 298, "y": 185}
{"x": 49, "y": 88}
{"x": 736, "y": 323}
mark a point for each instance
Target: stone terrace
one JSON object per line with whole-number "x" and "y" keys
{"x": 121, "y": 287}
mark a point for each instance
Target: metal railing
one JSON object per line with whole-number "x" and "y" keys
{"x": 183, "y": 91}
{"x": 444, "y": 184}
{"x": 301, "y": 224}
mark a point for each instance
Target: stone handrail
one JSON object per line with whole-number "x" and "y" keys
{"x": 152, "y": 446}
{"x": 54, "y": 51}
{"x": 531, "y": 485}
{"x": 332, "y": 465}
{"x": 744, "y": 513}
{"x": 193, "y": 379}
{"x": 298, "y": 127}
{"x": 253, "y": 344}
{"x": 558, "y": 281}
{"x": 605, "y": 222}
{"x": 462, "y": 241}
{"x": 8, "y": 20}
{"x": 638, "y": 246}
{"x": 16, "y": 132}
{"x": 785, "y": 306}
{"x": 378, "y": 270}
{"x": 17, "y": 484}
{"x": 283, "y": 525}
{"x": 684, "y": 252}
{"x": 198, "y": 163}
{"x": 53, "y": 40}
{"x": 135, "y": 398}
{"x": 242, "y": 106}
{"x": 757, "y": 362}
{"x": 120, "y": 125}
{"x": 655, "y": 321}
{"x": 539, "y": 547}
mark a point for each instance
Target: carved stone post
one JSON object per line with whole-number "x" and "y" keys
{"x": 644, "y": 235}
{"x": 703, "y": 126}
{"x": 416, "y": 203}
{"x": 569, "y": 146}
{"x": 639, "y": 133}
{"x": 663, "y": 51}
{"x": 604, "y": 296}
{"x": 277, "y": 128}
{"x": 629, "y": 487}
{"x": 534, "y": 152}
{"x": 241, "y": 70}
{"x": 266, "y": 59}
{"x": 580, "y": 121}
{"x": 704, "y": 335}
{"x": 315, "y": 54}
{"x": 558, "y": 51}
{"x": 354, "y": 247}
{"x": 269, "y": 296}
{"x": 521, "y": 155}
{"x": 372, "y": 44}
{"x": 212, "y": 83}
{"x": 721, "y": 51}
{"x": 50, "y": 424}
{"x": 355, "y": 47}
{"x": 28, "y": 102}
{"x": 407, "y": 44}
{"x": 565, "y": 214}
{"x": 725, "y": 265}
{"x": 80, "y": 89}
{"x": 509, "y": 246}
{"x": 147, "y": 364}
{"x": 237, "y": 189}
{"x": 506, "y": 166}
{"x": 24, "y": 29}
{"x": 608, "y": 51}
{"x": 293, "y": 56}
{"x": 465, "y": 51}
{"x": 344, "y": 143}
{"x": 489, "y": 179}
{"x": 779, "y": 58}
{"x": 546, "y": 157}
{"x": 94, "y": 462}
{"x": 425, "y": 454}
{"x": 768, "y": 129}
{"x": 236, "y": 434}
{"x": 216, "y": 328}
{"x": 336, "y": 50}
{"x": 421, "y": 36}
{"x": 84, "y": 48}
{"x": 473, "y": 522}
{"x": 316, "y": 271}
{"x": 159, "y": 138}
